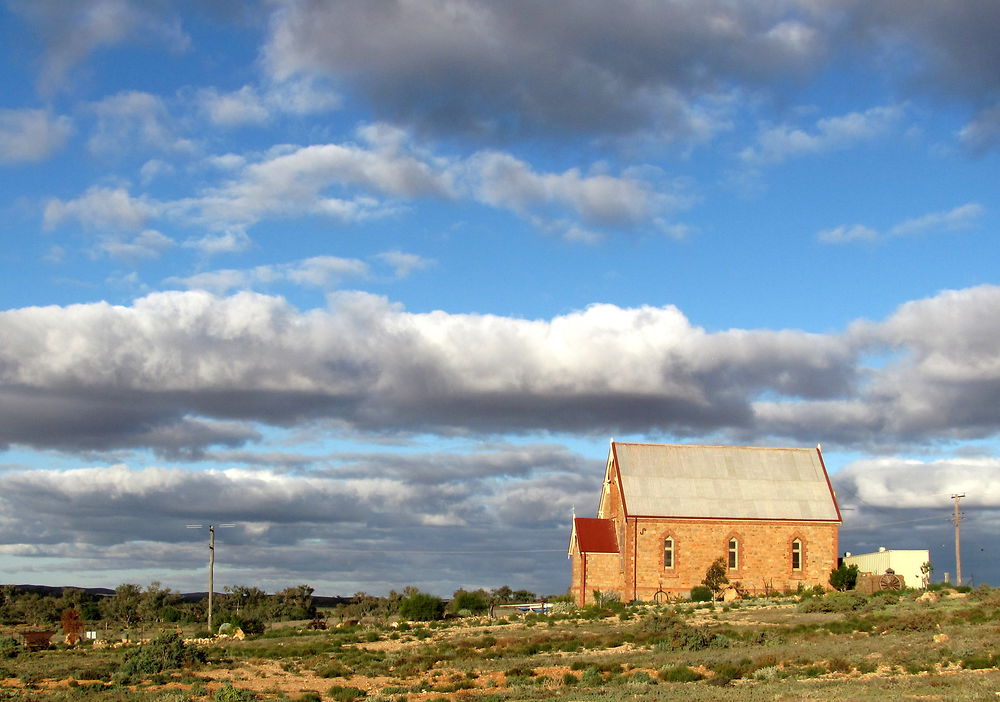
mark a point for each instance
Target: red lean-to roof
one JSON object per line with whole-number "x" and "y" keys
{"x": 596, "y": 535}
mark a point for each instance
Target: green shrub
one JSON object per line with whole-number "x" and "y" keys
{"x": 333, "y": 669}
{"x": 570, "y": 679}
{"x": 834, "y": 602}
{"x": 725, "y": 673}
{"x": 701, "y": 593}
{"x": 165, "y": 653}
{"x": 591, "y": 676}
{"x": 469, "y": 602}
{"x": 233, "y": 694}
{"x": 913, "y": 621}
{"x": 812, "y": 671}
{"x": 344, "y": 693}
{"x": 844, "y": 577}
{"x": 9, "y": 647}
{"x": 979, "y": 661}
{"x": 421, "y": 607}
{"x": 768, "y": 672}
{"x": 679, "y": 674}
{"x": 640, "y": 678}
{"x": 866, "y": 666}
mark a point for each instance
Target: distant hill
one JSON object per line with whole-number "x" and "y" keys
{"x": 54, "y": 591}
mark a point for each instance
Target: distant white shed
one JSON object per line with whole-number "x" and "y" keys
{"x": 902, "y": 562}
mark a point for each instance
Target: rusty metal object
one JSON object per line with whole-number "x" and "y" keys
{"x": 37, "y": 640}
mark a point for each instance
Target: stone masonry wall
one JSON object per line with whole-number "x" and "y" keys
{"x": 765, "y": 558}
{"x": 603, "y": 572}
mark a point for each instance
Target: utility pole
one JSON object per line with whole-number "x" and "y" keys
{"x": 957, "y": 519}
{"x": 211, "y": 563}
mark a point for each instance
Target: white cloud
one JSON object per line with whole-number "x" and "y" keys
{"x": 961, "y": 217}
{"x": 900, "y": 483}
{"x": 234, "y": 109}
{"x": 153, "y": 169}
{"x": 134, "y": 120}
{"x": 351, "y": 182}
{"x": 318, "y": 271}
{"x": 302, "y": 97}
{"x": 295, "y": 183}
{"x": 504, "y": 181}
{"x": 31, "y": 135}
{"x": 370, "y": 365}
{"x": 780, "y": 143}
{"x": 101, "y": 208}
{"x": 232, "y": 241}
{"x": 848, "y": 233}
{"x": 251, "y": 105}
{"x": 148, "y": 243}
{"x": 983, "y": 131}
{"x": 403, "y": 263}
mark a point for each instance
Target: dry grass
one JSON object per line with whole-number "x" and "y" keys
{"x": 881, "y": 649}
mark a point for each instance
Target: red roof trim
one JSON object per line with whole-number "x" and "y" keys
{"x": 618, "y": 476}
{"x": 732, "y": 519}
{"x": 595, "y": 535}
{"x": 833, "y": 495}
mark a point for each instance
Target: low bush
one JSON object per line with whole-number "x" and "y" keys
{"x": 913, "y": 621}
{"x": 834, "y": 602}
{"x": 979, "y": 661}
{"x": 679, "y": 674}
{"x": 166, "y": 652}
{"x": 233, "y": 694}
{"x": 9, "y": 647}
{"x": 640, "y": 678}
{"x": 839, "y": 665}
{"x": 701, "y": 593}
{"x": 725, "y": 673}
{"x": 345, "y": 693}
{"x": 333, "y": 669}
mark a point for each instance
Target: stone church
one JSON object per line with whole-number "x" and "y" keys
{"x": 668, "y": 511}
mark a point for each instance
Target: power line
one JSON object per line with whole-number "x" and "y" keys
{"x": 885, "y": 524}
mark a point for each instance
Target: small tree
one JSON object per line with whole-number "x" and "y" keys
{"x": 72, "y": 626}
{"x": 844, "y": 577}
{"x": 421, "y": 607}
{"x": 715, "y": 576}
{"x": 123, "y": 606}
{"x": 475, "y": 602}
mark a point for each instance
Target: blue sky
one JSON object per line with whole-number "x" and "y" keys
{"x": 378, "y": 281}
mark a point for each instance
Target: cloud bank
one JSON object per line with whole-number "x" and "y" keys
{"x": 165, "y": 370}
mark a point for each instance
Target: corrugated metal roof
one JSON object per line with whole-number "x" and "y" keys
{"x": 741, "y": 482}
{"x": 596, "y": 535}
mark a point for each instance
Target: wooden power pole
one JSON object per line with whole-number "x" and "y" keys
{"x": 211, "y": 564}
{"x": 957, "y": 519}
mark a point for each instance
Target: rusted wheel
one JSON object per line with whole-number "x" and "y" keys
{"x": 890, "y": 581}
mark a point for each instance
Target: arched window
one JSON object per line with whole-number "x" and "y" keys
{"x": 734, "y": 554}
{"x": 668, "y": 552}
{"x": 796, "y": 554}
